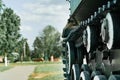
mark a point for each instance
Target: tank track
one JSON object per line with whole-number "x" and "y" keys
{"x": 92, "y": 50}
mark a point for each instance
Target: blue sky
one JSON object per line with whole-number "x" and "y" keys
{"x": 36, "y": 14}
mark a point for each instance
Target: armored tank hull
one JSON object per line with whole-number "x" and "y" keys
{"x": 91, "y": 40}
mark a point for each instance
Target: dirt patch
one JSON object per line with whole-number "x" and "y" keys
{"x": 42, "y": 75}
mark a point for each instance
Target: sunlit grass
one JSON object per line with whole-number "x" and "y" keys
{"x": 48, "y": 71}
{"x": 33, "y": 63}
{"x": 43, "y": 71}
{"x": 3, "y": 68}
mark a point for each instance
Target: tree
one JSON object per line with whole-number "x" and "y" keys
{"x": 1, "y": 5}
{"x": 21, "y": 48}
{"x": 9, "y": 31}
{"x": 27, "y": 50}
{"x": 38, "y": 48}
{"x": 49, "y": 42}
{"x": 1, "y": 30}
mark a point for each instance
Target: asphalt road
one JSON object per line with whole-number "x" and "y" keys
{"x": 17, "y": 73}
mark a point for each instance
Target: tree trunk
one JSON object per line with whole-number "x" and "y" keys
{"x": 6, "y": 61}
{"x": 21, "y": 58}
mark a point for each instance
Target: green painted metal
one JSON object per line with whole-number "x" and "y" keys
{"x": 73, "y": 5}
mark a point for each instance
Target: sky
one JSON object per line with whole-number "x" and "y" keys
{"x": 37, "y": 14}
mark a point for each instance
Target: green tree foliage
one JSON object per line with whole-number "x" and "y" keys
{"x": 27, "y": 51}
{"x": 1, "y": 31}
{"x": 9, "y": 30}
{"x": 10, "y": 37}
{"x": 1, "y": 6}
{"x": 20, "y": 47}
{"x": 38, "y": 48}
{"x": 48, "y": 42}
{"x": 23, "y": 49}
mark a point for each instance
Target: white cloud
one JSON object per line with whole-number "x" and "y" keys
{"x": 36, "y": 14}
{"x": 42, "y": 9}
{"x": 41, "y": 13}
{"x": 29, "y": 17}
{"x": 26, "y": 28}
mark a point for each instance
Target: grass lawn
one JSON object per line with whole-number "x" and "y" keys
{"x": 3, "y": 67}
{"x": 48, "y": 71}
{"x": 43, "y": 70}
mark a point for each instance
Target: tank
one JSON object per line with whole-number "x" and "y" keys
{"x": 91, "y": 40}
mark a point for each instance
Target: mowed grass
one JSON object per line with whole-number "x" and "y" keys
{"x": 43, "y": 70}
{"x": 48, "y": 71}
{"x": 4, "y": 68}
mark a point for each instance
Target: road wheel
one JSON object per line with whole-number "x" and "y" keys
{"x": 85, "y": 67}
{"x": 80, "y": 55}
{"x": 84, "y": 75}
{"x": 91, "y": 38}
{"x": 94, "y": 73}
{"x": 100, "y": 77}
{"x": 75, "y": 72}
{"x": 114, "y": 77}
{"x": 110, "y": 29}
{"x": 71, "y": 56}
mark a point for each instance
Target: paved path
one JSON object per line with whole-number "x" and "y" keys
{"x": 17, "y": 73}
